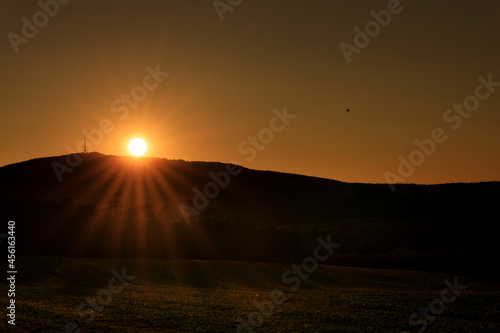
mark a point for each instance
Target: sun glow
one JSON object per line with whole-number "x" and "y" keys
{"x": 137, "y": 147}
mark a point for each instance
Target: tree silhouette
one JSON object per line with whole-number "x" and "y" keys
{"x": 114, "y": 203}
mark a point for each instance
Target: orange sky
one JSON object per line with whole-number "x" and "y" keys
{"x": 226, "y": 77}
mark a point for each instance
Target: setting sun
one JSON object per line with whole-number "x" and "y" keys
{"x": 137, "y": 147}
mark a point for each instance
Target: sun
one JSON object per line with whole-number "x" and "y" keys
{"x": 137, "y": 147}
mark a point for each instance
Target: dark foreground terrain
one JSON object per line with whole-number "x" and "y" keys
{"x": 210, "y": 296}
{"x": 183, "y": 263}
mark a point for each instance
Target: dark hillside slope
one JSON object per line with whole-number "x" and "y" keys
{"x": 264, "y": 196}
{"x": 111, "y": 206}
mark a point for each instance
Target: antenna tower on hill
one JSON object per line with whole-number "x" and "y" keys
{"x": 85, "y": 145}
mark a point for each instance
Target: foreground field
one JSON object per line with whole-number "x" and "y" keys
{"x": 211, "y": 296}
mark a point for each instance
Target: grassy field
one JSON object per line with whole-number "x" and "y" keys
{"x": 210, "y": 296}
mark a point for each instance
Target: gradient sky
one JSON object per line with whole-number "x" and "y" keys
{"x": 227, "y": 76}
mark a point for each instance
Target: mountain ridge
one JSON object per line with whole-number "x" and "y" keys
{"x": 271, "y": 196}
{"x": 115, "y": 206}
{"x": 217, "y": 162}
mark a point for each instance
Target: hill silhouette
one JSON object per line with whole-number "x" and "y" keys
{"x": 133, "y": 206}
{"x": 268, "y": 197}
